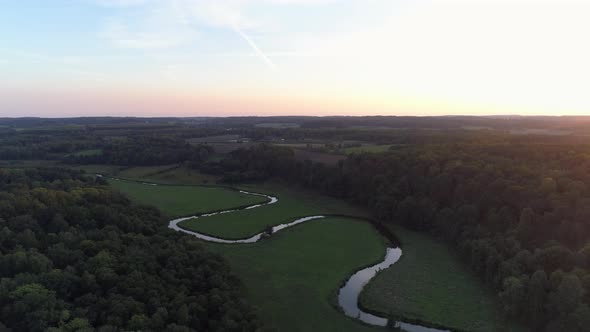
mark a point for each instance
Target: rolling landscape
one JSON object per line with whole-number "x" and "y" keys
{"x": 294, "y": 166}
{"x": 445, "y": 229}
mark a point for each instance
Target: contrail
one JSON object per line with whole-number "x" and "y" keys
{"x": 259, "y": 52}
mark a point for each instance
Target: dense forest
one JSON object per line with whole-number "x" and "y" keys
{"x": 144, "y": 151}
{"x": 518, "y": 214}
{"x": 77, "y": 256}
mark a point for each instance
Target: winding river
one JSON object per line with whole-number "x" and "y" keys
{"x": 348, "y": 294}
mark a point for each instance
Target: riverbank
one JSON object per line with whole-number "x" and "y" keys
{"x": 292, "y": 276}
{"x": 292, "y": 204}
{"x": 429, "y": 284}
{"x": 178, "y": 200}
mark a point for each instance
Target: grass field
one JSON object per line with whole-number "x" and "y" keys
{"x": 185, "y": 200}
{"x": 429, "y": 284}
{"x": 291, "y": 205}
{"x": 293, "y": 277}
{"x": 300, "y": 269}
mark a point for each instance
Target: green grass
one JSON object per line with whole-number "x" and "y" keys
{"x": 176, "y": 201}
{"x": 293, "y": 277}
{"x": 291, "y": 205}
{"x": 430, "y": 284}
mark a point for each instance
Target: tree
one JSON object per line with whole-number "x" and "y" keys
{"x": 568, "y": 295}
{"x": 34, "y": 308}
{"x": 138, "y": 323}
{"x": 512, "y": 296}
{"x": 536, "y": 296}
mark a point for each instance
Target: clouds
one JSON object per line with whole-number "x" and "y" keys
{"x": 119, "y": 3}
{"x": 147, "y": 25}
{"x": 153, "y": 24}
{"x": 157, "y": 25}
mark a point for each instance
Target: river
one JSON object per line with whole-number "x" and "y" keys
{"x": 348, "y": 294}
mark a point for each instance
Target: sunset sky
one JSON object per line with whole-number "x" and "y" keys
{"x": 291, "y": 57}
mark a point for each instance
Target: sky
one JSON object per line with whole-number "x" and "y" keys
{"x": 294, "y": 57}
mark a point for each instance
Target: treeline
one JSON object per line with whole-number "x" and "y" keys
{"x": 254, "y": 164}
{"x": 89, "y": 148}
{"x": 519, "y": 215}
{"x": 76, "y": 256}
{"x": 144, "y": 151}
{"x": 28, "y": 146}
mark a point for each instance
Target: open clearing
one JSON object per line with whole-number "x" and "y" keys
{"x": 291, "y": 205}
{"x": 293, "y": 277}
{"x": 177, "y": 201}
{"x": 429, "y": 284}
{"x": 301, "y": 269}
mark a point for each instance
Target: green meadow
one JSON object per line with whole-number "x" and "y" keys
{"x": 430, "y": 284}
{"x": 177, "y": 201}
{"x": 292, "y": 204}
{"x": 293, "y": 277}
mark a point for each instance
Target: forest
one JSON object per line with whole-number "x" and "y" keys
{"x": 77, "y": 256}
{"x": 517, "y": 214}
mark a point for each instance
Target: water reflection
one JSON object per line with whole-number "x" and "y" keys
{"x": 349, "y": 294}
